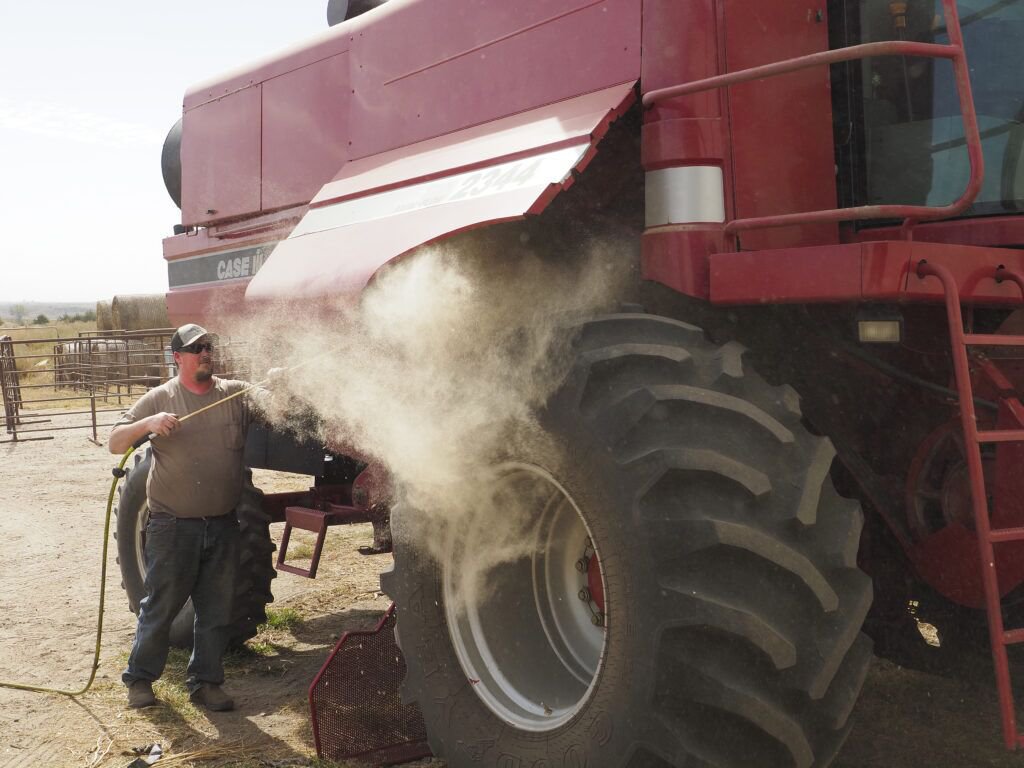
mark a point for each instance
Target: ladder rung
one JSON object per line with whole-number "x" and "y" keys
{"x": 993, "y": 340}
{"x": 1012, "y": 636}
{"x": 1001, "y": 436}
{"x": 998, "y": 535}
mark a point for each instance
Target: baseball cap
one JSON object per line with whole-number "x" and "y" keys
{"x": 187, "y": 334}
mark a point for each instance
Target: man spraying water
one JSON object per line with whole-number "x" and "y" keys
{"x": 192, "y": 537}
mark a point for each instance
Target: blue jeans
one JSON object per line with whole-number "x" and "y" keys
{"x": 186, "y": 557}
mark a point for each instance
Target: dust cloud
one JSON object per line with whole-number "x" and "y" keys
{"x": 429, "y": 373}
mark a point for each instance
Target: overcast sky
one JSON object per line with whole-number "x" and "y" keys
{"x": 87, "y": 93}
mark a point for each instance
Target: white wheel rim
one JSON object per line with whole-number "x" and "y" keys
{"x": 531, "y": 645}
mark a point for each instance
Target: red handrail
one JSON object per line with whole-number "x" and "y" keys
{"x": 911, "y": 213}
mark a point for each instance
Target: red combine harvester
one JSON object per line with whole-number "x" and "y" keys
{"x": 823, "y": 203}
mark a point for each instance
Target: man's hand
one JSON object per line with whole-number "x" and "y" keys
{"x": 162, "y": 424}
{"x": 124, "y": 437}
{"x": 276, "y": 377}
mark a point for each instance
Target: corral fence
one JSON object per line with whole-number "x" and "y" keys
{"x": 55, "y": 384}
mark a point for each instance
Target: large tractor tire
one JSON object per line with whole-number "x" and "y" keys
{"x": 682, "y": 586}
{"x": 255, "y": 570}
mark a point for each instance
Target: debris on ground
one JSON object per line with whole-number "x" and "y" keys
{"x": 145, "y": 756}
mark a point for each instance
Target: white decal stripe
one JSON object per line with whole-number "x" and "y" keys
{"x": 552, "y": 168}
{"x": 218, "y": 254}
{"x": 685, "y": 195}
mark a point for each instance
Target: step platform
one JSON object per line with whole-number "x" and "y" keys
{"x": 315, "y": 521}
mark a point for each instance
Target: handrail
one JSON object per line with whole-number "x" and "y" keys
{"x": 835, "y": 56}
{"x": 954, "y": 51}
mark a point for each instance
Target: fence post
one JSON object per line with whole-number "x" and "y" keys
{"x": 92, "y": 407}
{"x": 8, "y": 384}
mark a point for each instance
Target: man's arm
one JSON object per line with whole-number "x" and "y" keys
{"x": 146, "y": 417}
{"x": 125, "y": 435}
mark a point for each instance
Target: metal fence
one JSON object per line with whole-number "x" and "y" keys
{"x": 55, "y": 384}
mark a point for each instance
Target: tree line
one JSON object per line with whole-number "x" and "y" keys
{"x": 19, "y": 315}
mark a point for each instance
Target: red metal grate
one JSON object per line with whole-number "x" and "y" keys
{"x": 354, "y": 701}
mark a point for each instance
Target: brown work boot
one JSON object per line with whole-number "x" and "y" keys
{"x": 212, "y": 697}
{"x": 140, "y": 695}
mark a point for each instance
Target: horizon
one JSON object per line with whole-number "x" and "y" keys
{"x": 11, "y": 302}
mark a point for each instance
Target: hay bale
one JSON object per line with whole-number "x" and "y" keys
{"x": 104, "y": 318}
{"x": 139, "y": 312}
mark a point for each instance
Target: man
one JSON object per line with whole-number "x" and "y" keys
{"x": 192, "y": 537}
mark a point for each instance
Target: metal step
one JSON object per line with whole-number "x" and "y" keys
{"x": 315, "y": 521}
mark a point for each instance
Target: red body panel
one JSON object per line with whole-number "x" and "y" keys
{"x": 781, "y": 127}
{"x": 994, "y": 230}
{"x": 380, "y": 82}
{"x": 681, "y": 43}
{"x": 220, "y": 158}
{"x": 341, "y": 263}
{"x": 581, "y": 120}
{"x": 376, "y": 211}
{"x": 410, "y": 85}
{"x": 207, "y": 301}
{"x": 877, "y": 271}
{"x": 293, "y": 171}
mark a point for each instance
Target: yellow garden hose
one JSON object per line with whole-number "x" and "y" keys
{"x": 118, "y": 474}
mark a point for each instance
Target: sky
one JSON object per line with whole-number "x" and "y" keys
{"x": 87, "y": 93}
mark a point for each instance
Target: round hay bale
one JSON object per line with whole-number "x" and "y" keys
{"x": 138, "y": 312}
{"x": 104, "y": 319}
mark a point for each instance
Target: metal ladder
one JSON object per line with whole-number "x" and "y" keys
{"x": 999, "y": 636}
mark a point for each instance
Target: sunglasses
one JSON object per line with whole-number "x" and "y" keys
{"x": 197, "y": 347}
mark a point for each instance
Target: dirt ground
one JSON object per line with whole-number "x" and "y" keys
{"x": 52, "y": 499}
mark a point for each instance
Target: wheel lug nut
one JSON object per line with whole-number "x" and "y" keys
{"x": 598, "y": 619}
{"x": 584, "y": 595}
{"x": 588, "y": 543}
{"x": 582, "y": 564}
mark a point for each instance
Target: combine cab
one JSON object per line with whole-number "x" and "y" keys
{"x": 808, "y": 396}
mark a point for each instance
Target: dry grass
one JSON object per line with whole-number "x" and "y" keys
{"x": 272, "y": 481}
{"x": 299, "y": 552}
{"x": 233, "y": 751}
{"x": 35, "y": 365}
{"x": 45, "y": 399}
{"x": 34, "y": 359}
{"x": 50, "y": 331}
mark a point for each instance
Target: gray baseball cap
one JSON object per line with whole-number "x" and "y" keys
{"x": 187, "y": 334}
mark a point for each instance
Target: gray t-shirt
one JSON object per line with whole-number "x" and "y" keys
{"x": 197, "y": 469}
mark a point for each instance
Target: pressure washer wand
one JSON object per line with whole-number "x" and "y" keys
{"x": 146, "y": 438}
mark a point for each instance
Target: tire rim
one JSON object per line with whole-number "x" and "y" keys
{"x": 141, "y": 520}
{"x": 528, "y": 632}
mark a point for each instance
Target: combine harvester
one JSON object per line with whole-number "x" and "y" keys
{"x": 822, "y": 201}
